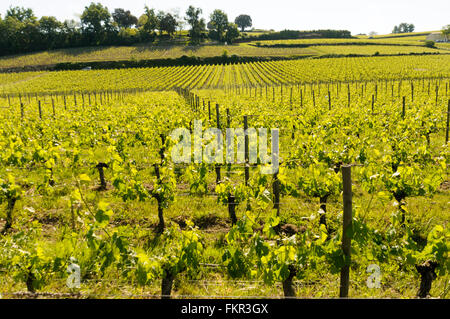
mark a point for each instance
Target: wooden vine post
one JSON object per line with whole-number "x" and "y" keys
{"x": 404, "y": 107}
{"x": 314, "y": 98}
{"x": 373, "y": 103}
{"x": 247, "y": 157}
{"x": 209, "y": 110}
{"x": 247, "y": 169}
{"x": 347, "y": 226}
{"x": 228, "y": 126}
{"x": 291, "y": 100}
{"x": 348, "y": 95}
{"x": 217, "y": 167}
{"x": 437, "y": 94}
{"x": 276, "y": 193}
{"x": 301, "y": 98}
{"x": 40, "y": 109}
{"x": 448, "y": 122}
{"x": 329, "y": 100}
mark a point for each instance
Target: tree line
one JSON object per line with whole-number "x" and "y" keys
{"x": 403, "y": 28}
{"x": 21, "y": 31}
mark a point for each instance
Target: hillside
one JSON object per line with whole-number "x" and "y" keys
{"x": 380, "y": 45}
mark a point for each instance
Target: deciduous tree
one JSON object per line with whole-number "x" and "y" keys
{"x": 167, "y": 23}
{"x": 232, "y": 33}
{"x": 124, "y": 19}
{"x": 197, "y": 24}
{"x": 21, "y": 14}
{"x": 95, "y": 18}
{"x": 148, "y": 22}
{"x": 243, "y": 21}
{"x": 218, "y": 25}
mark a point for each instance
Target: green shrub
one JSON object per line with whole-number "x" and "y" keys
{"x": 430, "y": 44}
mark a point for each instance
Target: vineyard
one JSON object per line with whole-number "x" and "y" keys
{"x": 93, "y": 204}
{"x": 260, "y": 74}
{"x": 413, "y": 43}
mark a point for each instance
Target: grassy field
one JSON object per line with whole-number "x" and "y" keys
{"x": 142, "y": 52}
